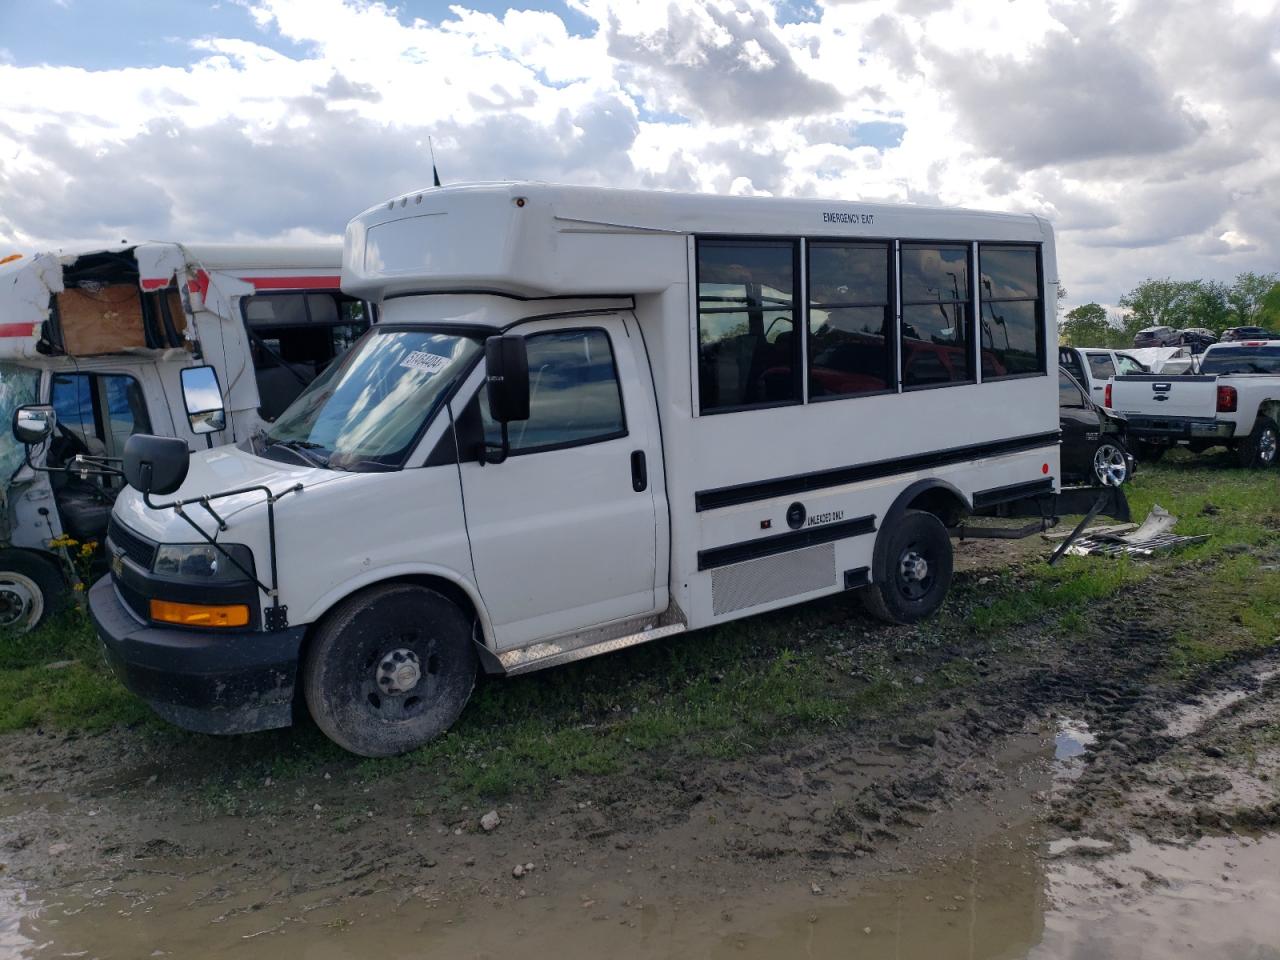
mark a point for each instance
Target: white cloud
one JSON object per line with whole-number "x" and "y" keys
{"x": 1142, "y": 128}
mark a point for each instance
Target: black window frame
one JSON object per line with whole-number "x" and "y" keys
{"x": 971, "y": 343}
{"x": 98, "y": 405}
{"x": 1042, "y": 337}
{"x": 892, "y": 314}
{"x": 799, "y": 315}
{"x": 624, "y": 431}
{"x": 303, "y": 293}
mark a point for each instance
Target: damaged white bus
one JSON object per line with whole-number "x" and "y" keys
{"x": 108, "y": 338}
{"x": 589, "y": 418}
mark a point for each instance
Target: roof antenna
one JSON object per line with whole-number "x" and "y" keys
{"x": 435, "y": 174}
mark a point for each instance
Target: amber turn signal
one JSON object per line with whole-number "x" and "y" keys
{"x": 199, "y": 614}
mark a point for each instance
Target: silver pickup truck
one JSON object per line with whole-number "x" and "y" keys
{"x": 1233, "y": 401}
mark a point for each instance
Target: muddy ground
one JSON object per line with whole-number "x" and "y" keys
{"x": 1070, "y": 772}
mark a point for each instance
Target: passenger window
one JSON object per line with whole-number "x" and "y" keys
{"x": 96, "y": 414}
{"x": 1069, "y": 395}
{"x": 574, "y": 395}
{"x": 1011, "y": 311}
{"x": 850, "y": 320}
{"x": 1101, "y": 367}
{"x": 935, "y": 315}
{"x": 294, "y": 337}
{"x": 1127, "y": 366}
{"x": 748, "y": 353}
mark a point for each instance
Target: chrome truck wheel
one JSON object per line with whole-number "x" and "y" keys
{"x": 1110, "y": 466}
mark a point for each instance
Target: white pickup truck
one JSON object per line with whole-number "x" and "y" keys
{"x": 1094, "y": 366}
{"x": 1234, "y": 402}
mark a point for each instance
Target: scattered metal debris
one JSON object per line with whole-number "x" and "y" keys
{"x": 1152, "y": 537}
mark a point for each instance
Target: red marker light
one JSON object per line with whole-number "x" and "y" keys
{"x": 1044, "y": 468}
{"x": 1106, "y": 396}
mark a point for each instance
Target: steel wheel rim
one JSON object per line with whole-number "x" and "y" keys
{"x": 397, "y": 679}
{"x": 1110, "y": 466}
{"x": 915, "y": 574}
{"x": 21, "y": 601}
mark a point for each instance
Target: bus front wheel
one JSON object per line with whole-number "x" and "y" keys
{"x": 918, "y": 570}
{"x": 389, "y": 669}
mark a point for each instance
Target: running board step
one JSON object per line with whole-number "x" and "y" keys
{"x": 553, "y": 653}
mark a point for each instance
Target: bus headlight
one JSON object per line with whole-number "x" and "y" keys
{"x": 203, "y": 561}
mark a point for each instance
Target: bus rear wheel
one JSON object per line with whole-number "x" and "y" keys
{"x": 389, "y": 669}
{"x": 918, "y": 570}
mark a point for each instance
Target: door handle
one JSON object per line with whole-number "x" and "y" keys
{"x": 639, "y": 471}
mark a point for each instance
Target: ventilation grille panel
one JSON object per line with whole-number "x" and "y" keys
{"x": 754, "y": 582}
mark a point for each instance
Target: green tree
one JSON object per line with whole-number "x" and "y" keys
{"x": 1157, "y": 303}
{"x": 1268, "y": 312}
{"x": 1207, "y": 305}
{"x": 1086, "y": 326}
{"x": 1246, "y": 296}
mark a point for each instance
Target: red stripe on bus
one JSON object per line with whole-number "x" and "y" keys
{"x": 154, "y": 283}
{"x": 294, "y": 283}
{"x": 17, "y": 329}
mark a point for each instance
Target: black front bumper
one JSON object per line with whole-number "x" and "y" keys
{"x": 226, "y": 681}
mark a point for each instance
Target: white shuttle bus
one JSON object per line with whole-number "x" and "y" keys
{"x": 589, "y": 418}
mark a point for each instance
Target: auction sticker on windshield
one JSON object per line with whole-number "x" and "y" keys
{"x": 421, "y": 360}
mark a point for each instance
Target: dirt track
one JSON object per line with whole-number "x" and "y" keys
{"x": 140, "y": 832}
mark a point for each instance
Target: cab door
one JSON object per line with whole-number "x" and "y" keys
{"x": 564, "y": 532}
{"x": 1101, "y": 369}
{"x": 1078, "y": 421}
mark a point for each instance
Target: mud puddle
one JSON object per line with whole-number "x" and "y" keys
{"x": 1190, "y": 718}
{"x": 1013, "y": 887}
{"x": 1009, "y": 896}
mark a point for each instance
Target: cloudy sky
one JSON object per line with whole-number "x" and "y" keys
{"x": 1147, "y": 130}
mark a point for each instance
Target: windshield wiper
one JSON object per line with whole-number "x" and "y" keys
{"x": 301, "y": 448}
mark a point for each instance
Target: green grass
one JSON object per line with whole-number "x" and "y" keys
{"x": 731, "y": 691}
{"x": 83, "y": 694}
{"x": 1243, "y": 618}
{"x": 1235, "y": 508}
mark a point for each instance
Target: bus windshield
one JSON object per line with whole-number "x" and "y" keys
{"x": 1230, "y": 360}
{"x": 365, "y": 411}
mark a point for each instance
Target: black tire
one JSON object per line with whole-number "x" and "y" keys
{"x": 908, "y": 595}
{"x": 1260, "y": 447}
{"x": 355, "y": 661}
{"x": 1149, "y": 452}
{"x": 31, "y": 588}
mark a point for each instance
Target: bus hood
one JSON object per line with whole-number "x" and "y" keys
{"x": 213, "y": 472}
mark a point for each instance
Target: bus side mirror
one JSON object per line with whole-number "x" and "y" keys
{"x": 507, "y": 384}
{"x": 203, "y": 399}
{"x": 33, "y": 423}
{"x": 507, "y": 381}
{"x": 155, "y": 464}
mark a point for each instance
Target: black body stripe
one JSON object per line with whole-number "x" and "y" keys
{"x": 808, "y": 482}
{"x": 784, "y": 542}
{"x": 1016, "y": 491}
